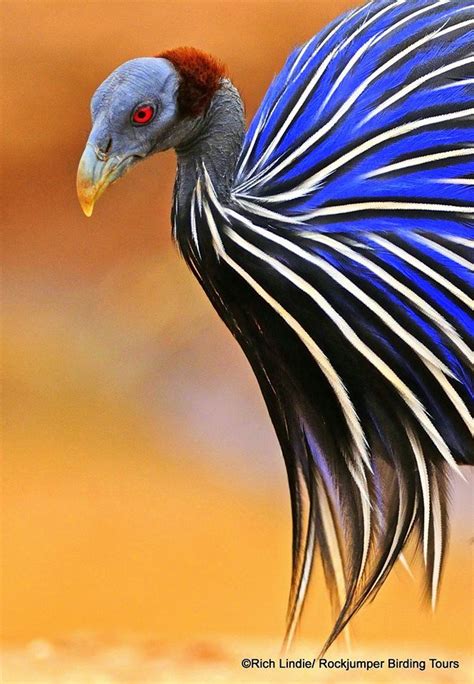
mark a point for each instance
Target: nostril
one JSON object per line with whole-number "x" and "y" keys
{"x": 103, "y": 149}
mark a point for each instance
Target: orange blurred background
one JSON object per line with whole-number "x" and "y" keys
{"x": 143, "y": 488}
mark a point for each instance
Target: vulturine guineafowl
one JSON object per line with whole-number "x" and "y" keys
{"x": 332, "y": 238}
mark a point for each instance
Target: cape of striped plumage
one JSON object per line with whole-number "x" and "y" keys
{"x": 347, "y": 276}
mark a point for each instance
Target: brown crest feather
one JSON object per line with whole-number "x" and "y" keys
{"x": 200, "y": 74}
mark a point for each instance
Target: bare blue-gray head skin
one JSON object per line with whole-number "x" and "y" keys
{"x": 151, "y": 104}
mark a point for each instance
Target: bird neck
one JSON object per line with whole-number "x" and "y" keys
{"x": 215, "y": 142}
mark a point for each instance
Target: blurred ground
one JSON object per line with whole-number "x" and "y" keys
{"x": 143, "y": 491}
{"x": 86, "y": 659}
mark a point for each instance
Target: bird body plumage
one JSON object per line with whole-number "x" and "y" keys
{"x": 333, "y": 241}
{"x": 339, "y": 261}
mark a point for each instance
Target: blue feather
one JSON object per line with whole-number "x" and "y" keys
{"x": 355, "y": 207}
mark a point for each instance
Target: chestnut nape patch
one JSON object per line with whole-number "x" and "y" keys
{"x": 200, "y": 78}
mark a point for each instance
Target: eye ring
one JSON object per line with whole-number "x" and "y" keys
{"x": 143, "y": 114}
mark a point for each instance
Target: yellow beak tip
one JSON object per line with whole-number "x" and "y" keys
{"x": 87, "y": 209}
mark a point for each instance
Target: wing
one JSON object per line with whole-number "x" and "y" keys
{"x": 350, "y": 223}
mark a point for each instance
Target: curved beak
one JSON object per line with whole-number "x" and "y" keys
{"x": 95, "y": 173}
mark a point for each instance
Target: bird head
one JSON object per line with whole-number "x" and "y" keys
{"x": 146, "y": 105}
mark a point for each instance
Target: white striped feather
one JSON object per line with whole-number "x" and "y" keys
{"x": 319, "y": 356}
{"x": 406, "y": 90}
{"x": 194, "y": 232}
{"x": 374, "y": 40}
{"x": 320, "y": 71}
{"x": 396, "y": 536}
{"x": 359, "y": 477}
{"x": 304, "y": 580}
{"x": 323, "y": 362}
{"x": 353, "y": 208}
{"x": 419, "y": 161}
{"x": 437, "y": 539}
{"x": 330, "y": 532}
{"x": 456, "y": 181}
{"x": 344, "y": 19}
{"x": 398, "y": 530}
{"x": 199, "y": 195}
{"x": 403, "y": 390}
{"x": 405, "y": 565}
{"x": 397, "y": 285}
{"x": 465, "y": 242}
{"x": 421, "y": 266}
{"x": 258, "y": 210}
{"x": 444, "y": 251}
{"x": 300, "y": 283}
{"x": 425, "y": 487}
{"x": 462, "y": 83}
{"x": 303, "y": 571}
{"x": 175, "y": 223}
{"x": 345, "y": 107}
{"x": 437, "y": 367}
{"x": 309, "y": 186}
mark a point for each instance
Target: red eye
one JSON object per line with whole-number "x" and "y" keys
{"x": 143, "y": 114}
